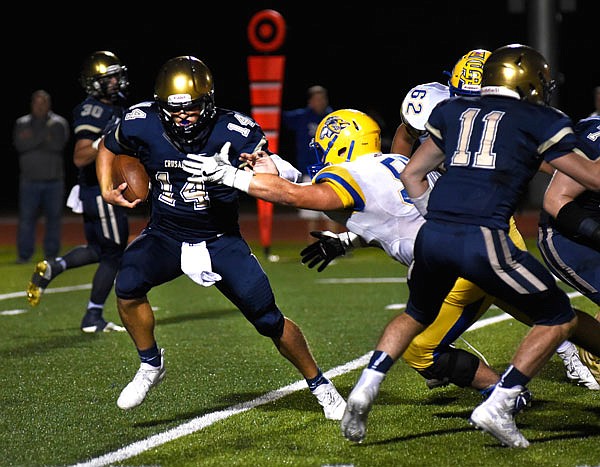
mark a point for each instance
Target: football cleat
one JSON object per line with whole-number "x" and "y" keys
{"x": 496, "y": 417}
{"x": 591, "y": 361}
{"x": 522, "y": 402}
{"x": 41, "y": 277}
{"x": 333, "y": 404}
{"x": 576, "y": 371}
{"x": 145, "y": 379}
{"x": 354, "y": 421}
{"x": 94, "y": 322}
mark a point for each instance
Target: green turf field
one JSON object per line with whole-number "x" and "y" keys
{"x": 217, "y": 405}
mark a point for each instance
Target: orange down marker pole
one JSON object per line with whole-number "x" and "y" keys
{"x": 266, "y": 34}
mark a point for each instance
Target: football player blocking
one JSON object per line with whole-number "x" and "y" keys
{"x": 512, "y": 119}
{"x": 193, "y": 227}
{"x": 465, "y": 80}
{"x": 318, "y": 196}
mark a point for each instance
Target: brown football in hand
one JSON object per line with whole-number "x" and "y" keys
{"x": 129, "y": 169}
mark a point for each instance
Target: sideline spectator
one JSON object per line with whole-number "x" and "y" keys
{"x": 40, "y": 138}
{"x": 303, "y": 122}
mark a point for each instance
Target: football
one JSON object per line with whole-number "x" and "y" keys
{"x": 129, "y": 169}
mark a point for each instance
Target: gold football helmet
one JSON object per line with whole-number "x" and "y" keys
{"x": 521, "y": 70}
{"x": 97, "y": 75}
{"x": 465, "y": 78}
{"x": 183, "y": 83}
{"x": 344, "y": 135}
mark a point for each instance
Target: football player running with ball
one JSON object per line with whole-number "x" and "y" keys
{"x": 193, "y": 227}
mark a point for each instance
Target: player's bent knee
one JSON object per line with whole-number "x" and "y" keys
{"x": 456, "y": 365}
{"x": 128, "y": 288}
{"x": 270, "y": 324}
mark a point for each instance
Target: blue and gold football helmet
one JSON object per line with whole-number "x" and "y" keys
{"x": 519, "y": 70}
{"x": 465, "y": 78}
{"x": 97, "y": 75}
{"x": 344, "y": 135}
{"x": 183, "y": 83}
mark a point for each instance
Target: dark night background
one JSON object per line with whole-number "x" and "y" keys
{"x": 367, "y": 55}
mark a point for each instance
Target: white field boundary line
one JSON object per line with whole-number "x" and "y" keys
{"x": 19, "y": 311}
{"x": 71, "y": 288}
{"x": 204, "y": 421}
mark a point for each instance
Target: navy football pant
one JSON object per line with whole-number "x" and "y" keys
{"x": 446, "y": 251}
{"x": 106, "y": 230}
{"x": 577, "y": 265}
{"x": 154, "y": 258}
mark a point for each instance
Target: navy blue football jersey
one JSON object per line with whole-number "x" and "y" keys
{"x": 91, "y": 119}
{"x": 189, "y": 212}
{"x": 588, "y": 131}
{"x": 494, "y": 145}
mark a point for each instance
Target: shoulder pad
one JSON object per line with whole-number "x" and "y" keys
{"x": 420, "y": 101}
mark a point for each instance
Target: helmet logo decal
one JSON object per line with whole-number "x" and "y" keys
{"x": 333, "y": 126}
{"x": 472, "y": 71}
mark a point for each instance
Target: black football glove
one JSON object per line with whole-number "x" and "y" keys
{"x": 329, "y": 247}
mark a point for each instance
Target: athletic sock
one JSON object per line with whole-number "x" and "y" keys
{"x": 380, "y": 361}
{"x": 513, "y": 377}
{"x": 150, "y": 356}
{"x": 314, "y": 383}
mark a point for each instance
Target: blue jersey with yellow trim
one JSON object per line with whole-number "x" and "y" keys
{"x": 494, "y": 145}
{"x": 378, "y": 208}
{"x": 189, "y": 212}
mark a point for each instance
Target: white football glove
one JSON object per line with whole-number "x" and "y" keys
{"x": 216, "y": 169}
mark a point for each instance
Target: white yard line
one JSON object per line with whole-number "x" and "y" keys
{"x": 204, "y": 421}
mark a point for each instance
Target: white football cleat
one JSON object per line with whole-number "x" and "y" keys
{"x": 145, "y": 379}
{"x": 496, "y": 416}
{"x": 354, "y": 421}
{"x": 577, "y": 372}
{"x": 333, "y": 404}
